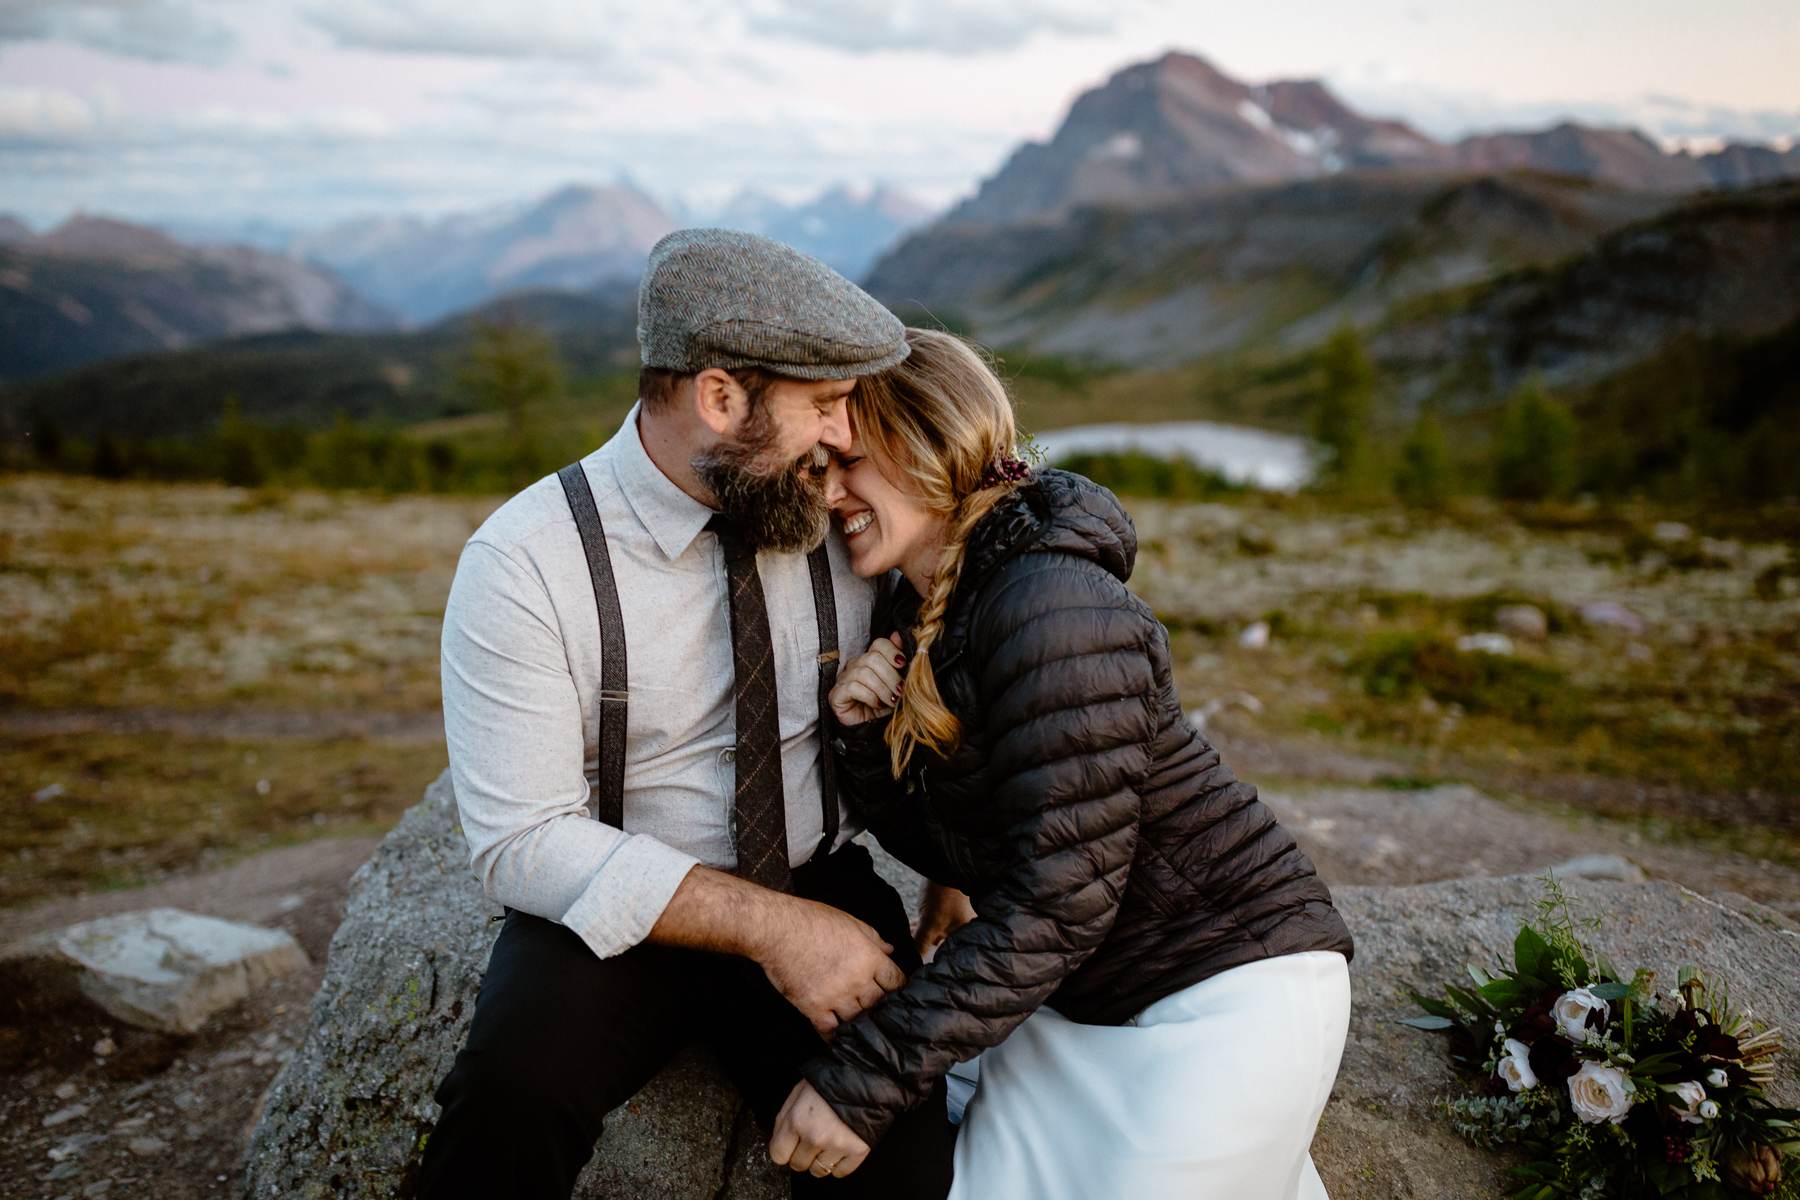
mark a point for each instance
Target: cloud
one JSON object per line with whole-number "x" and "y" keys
{"x": 958, "y": 27}
{"x": 596, "y": 32}
{"x": 33, "y": 115}
{"x": 159, "y": 30}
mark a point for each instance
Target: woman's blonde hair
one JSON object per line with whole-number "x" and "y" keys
{"x": 936, "y": 425}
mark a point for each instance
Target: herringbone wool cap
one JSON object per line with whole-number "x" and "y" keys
{"x": 720, "y": 298}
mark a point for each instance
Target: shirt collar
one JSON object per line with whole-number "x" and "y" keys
{"x": 671, "y": 515}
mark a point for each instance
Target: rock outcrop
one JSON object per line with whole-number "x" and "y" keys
{"x": 349, "y": 1114}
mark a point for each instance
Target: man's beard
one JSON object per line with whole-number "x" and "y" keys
{"x": 783, "y": 509}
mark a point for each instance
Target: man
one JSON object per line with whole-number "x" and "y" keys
{"x": 721, "y": 901}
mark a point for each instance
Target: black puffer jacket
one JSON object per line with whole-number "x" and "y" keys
{"x": 1111, "y": 857}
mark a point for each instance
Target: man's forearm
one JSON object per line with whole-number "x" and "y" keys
{"x": 716, "y": 911}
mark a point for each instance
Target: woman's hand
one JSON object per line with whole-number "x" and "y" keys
{"x": 942, "y": 911}
{"x": 870, "y": 686}
{"x": 810, "y": 1137}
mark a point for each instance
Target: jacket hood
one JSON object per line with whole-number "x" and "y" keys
{"x": 1058, "y": 512}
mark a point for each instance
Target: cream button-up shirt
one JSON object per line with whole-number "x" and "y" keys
{"x": 521, "y": 677}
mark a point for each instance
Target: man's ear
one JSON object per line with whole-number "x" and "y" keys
{"x": 720, "y": 401}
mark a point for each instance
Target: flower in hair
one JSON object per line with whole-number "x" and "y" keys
{"x": 1005, "y": 469}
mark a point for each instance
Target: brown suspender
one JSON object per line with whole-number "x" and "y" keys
{"x": 614, "y": 691}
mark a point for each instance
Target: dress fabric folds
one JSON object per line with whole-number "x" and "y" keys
{"x": 1211, "y": 1093}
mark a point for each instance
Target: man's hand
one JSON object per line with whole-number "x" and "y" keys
{"x": 828, "y": 964}
{"x": 810, "y": 1137}
{"x": 942, "y": 911}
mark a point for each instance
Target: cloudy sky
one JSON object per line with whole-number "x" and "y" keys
{"x": 301, "y": 112}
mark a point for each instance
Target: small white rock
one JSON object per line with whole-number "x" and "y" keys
{"x": 105, "y": 1046}
{"x": 1485, "y": 643}
{"x": 146, "y": 1146}
{"x": 63, "y": 1116}
{"x": 1255, "y": 635}
{"x": 65, "y": 1091}
{"x": 1610, "y": 614}
{"x": 1523, "y": 621}
{"x": 50, "y": 792}
{"x": 1671, "y": 532}
{"x": 1600, "y": 866}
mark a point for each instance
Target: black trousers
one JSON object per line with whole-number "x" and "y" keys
{"x": 560, "y": 1038}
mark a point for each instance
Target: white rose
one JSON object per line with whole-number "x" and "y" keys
{"x": 1709, "y": 1109}
{"x": 1571, "y": 1011}
{"x": 1690, "y": 1095}
{"x": 1515, "y": 1068}
{"x": 1599, "y": 1093}
{"x": 1717, "y": 1077}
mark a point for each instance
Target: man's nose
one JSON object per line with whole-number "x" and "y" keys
{"x": 836, "y": 431}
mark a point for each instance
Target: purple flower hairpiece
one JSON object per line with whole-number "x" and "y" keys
{"x": 1005, "y": 469}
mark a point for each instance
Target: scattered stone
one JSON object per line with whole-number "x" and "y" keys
{"x": 63, "y": 1116}
{"x": 1640, "y": 653}
{"x": 65, "y": 1091}
{"x": 97, "y": 1188}
{"x": 71, "y": 1147}
{"x": 160, "y": 969}
{"x": 105, "y": 1047}
{"x": 1670, "y": 532}
{"x": 186, "y": 1101}
{"x": 1600, "y": 866}
{"x": 146, "y": 1146}
{"x": 231, "y": 1058}
{"x": 1255, "y": 636}
{"x": 50, "y": 792}
{"x": 1485, "y": 643}
{"x": 289, "y": 903}
{"x": 62, "y": 1171}
{"x": 1610, "y": 614}
{"x": 140, "y": 1091}
{"x": 1524, "y": 621}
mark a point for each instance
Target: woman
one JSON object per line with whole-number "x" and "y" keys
{"x": 1154, "y": 969}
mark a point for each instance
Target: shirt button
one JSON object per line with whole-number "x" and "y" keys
{"x": 838, "y": 745}
{"x": 728, "y": 756}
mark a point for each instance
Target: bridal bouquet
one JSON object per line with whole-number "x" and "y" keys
{"x": 1611, "y": 1089}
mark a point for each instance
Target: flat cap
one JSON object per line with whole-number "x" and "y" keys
{"x": 721, "y": 298}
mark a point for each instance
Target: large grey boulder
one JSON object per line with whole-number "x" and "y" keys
{"x": 351, "y": 1111}
{"x": 159, "y": 968}
{"x": 1381, "y": 1135}
{"x": 348, "y": 1115}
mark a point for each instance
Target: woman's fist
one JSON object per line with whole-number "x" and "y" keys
{"x": 870, "y": 686}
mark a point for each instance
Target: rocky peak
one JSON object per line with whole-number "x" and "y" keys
{"x": 1613, "y": 155}
{"x": 88, "y": 236}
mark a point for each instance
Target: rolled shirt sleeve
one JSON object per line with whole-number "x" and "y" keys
{"x": 517, "y": 743}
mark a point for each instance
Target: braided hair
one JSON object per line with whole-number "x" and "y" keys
{"x": 940, "y": 425}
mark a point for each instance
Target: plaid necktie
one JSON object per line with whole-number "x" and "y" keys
{"x": 762, "y": 848}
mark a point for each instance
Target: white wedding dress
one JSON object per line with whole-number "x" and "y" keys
{"x": 1211, "y": 1093}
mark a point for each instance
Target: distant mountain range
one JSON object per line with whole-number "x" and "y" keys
{"x": 1176, "y": 217}
{"x": 1178, "y": 214}
{"x": 96, "y": 288}
{"x": 1161, "y": 129}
